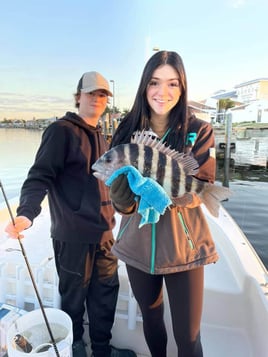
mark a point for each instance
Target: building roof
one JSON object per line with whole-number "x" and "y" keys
{"x": 202, "y": 107}
{"x": 240, "y": 107}
{"x": 263, "y": 79}
{"x": 225, "y": 95}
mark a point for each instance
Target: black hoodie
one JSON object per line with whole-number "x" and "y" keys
{"x": 79, "y": 204}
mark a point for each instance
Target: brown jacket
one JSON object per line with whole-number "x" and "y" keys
{"x": 181, "y": 239}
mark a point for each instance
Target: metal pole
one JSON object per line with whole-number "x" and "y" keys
{"x": 227, "y": 151}
{"x": 112, "y": 81}
{"x": 31, "y": 275}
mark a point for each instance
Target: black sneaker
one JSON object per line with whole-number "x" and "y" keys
{"x": 122, "y": 352}
{"x": 79, "y": 349}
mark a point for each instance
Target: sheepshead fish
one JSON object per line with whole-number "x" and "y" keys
{"x": 174, "y": 171}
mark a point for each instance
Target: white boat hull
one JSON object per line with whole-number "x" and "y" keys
{"x": 235, "y": 316}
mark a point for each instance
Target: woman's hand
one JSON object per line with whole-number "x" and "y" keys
{"x": 121, "y": 195}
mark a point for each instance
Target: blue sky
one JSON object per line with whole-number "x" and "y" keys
{"x": 47, "y": 45}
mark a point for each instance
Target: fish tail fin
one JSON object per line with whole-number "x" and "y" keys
{"x": 212, "y": 195}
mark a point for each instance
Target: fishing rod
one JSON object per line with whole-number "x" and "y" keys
{"x": 31, "y": 275}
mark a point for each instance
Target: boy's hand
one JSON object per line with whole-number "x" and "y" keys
{"x": 21, "y": 223}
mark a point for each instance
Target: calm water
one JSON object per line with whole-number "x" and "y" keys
{"x": 248, "y": 205}
{"x": 17, "y": 152}
{"x": 253, "y": 151}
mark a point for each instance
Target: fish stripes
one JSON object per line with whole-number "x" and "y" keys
{"x": 199, "y": 186}
{"x": 148, "y": 161}
{"x": 161, "y": 168}
{"x": 189, "y": 183}
{"x": 172, "y": 170}
{"x": 132, "y": 151}
{"x": 175, "y": 179}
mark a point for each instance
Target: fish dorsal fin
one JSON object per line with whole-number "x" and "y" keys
{"x": 147, "y": 138}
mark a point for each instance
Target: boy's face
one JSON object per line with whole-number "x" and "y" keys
{"x": 92, "y": 104}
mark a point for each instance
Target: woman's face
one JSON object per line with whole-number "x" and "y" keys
{"x": 163, "y": 91}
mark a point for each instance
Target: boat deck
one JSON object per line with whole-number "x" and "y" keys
{"x": 233, "y": 323}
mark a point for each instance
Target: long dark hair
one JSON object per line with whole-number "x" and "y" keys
{"x": 138, "y": 117}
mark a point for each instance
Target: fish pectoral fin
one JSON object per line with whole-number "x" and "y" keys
{"x": 183, "y": 200}
{"x": 212, "y": 195}
{"x": 220, "y": 193}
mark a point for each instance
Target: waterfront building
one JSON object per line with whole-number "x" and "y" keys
{"x": 251, "y": 100}
{"x": 254, "y": 90}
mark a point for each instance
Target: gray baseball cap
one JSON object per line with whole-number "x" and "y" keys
{"x": 91, "y": 81}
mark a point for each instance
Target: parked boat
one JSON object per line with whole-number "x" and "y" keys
{"x": 235, "y": 317}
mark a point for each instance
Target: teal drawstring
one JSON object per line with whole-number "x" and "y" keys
{"x": 165, "y": 135}
{"x": 120, "y": 233}
{"x": 153, "y": 237}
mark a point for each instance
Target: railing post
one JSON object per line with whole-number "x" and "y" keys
{"x": 227, "y": 151}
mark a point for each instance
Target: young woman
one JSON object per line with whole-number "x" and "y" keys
{"x": 177, "y": 247}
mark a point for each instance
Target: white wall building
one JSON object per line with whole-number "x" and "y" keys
{"x": 253, "y": 96}
{"x": 256, "y": 111}
{"x": 254, "y": 90}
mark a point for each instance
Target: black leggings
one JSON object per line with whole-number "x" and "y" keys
{"x": 185, "y": 293}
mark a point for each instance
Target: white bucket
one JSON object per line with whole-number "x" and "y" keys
{"x": 32, "y": 326}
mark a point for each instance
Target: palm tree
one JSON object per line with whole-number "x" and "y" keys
{"x": 223, "y": 106}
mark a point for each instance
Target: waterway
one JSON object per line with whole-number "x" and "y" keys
{"x": 248, "y": 204}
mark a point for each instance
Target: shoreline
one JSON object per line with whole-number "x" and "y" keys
{"x": 240, "y": 132}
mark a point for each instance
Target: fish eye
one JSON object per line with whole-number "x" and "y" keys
{"x": 108, "y": 159}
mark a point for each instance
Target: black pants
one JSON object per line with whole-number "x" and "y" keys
{"x": 185, "y": 293}
{"x": 88, "y": 277}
